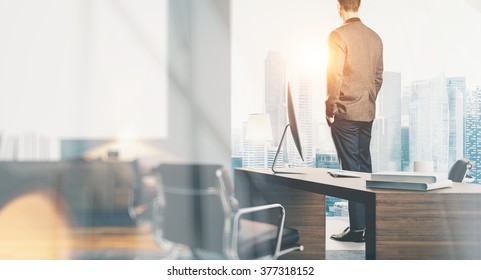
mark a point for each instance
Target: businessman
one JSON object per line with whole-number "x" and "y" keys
{"x": 354, "y": 78}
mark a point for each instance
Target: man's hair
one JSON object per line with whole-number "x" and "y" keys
{"x": 350, "y": 5}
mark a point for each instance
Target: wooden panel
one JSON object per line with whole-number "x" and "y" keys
{"x": 414, "y": 225}
{"x": 305, "y": 211}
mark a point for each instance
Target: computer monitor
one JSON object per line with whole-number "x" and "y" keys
{"x": 294, "y": 130}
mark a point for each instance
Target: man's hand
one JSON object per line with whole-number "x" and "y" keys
{"x": 330, "y": 119}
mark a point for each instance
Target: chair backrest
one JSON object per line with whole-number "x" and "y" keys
{"x": 194, "y": 213}
{"x": 459, "y": 170}
{"x": 96, "y": 192}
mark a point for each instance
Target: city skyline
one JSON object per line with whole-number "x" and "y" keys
{"x": 418, "y": 45}
{"x": 428, "y": 63}
{"x": 423, "y": 121}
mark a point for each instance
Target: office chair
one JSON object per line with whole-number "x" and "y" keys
{"x": 142, "y": 197}
{"x": 200, "y": 211}
{"x": 459, "y": 172}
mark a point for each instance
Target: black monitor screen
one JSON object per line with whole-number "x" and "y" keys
{"x": 292, "y": 120}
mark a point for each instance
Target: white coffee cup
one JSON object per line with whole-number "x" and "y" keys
{"x": 423, "y": 166}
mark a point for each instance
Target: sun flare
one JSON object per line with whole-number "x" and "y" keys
{"x": 311, "y": 57}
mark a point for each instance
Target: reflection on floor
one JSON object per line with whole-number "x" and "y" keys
{"x": 137, "y": 243}
{"x": 35, "y": 226}
{"x": 32, "y": 227}
{"x": 143, "y": 248}
{"x": 126, "y": 243}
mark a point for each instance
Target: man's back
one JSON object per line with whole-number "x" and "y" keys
{"x": 355, "y": 69}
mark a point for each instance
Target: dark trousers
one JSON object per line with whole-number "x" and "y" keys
{"x": 352, "y": 140}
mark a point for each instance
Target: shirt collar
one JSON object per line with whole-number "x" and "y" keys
{"x": 353, "y": 19}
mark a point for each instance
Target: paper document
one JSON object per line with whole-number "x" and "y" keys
{"x": 343, "y": 174}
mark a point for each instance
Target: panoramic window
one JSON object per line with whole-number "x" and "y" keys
{"x": 428, "y": 108}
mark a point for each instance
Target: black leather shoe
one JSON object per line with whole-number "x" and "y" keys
{"x": 349, "y": 236}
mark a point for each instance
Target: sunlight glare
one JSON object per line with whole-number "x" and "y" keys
{"x": 311, "y": 57}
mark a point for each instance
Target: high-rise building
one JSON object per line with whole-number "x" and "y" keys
{"x": 405, "y": 111}
{"x": 323, "y": 142}
{"x": 254, "y": 152}
{"x": 405, "y": 106}
{"x": 386, "y": 132}
{"x": 429, "y": 123}
{"x": 237, "y": 142}
{"x": 271, "y": 154}
{"x": 302, "y": 91}
{"x": 405, "y": 163}
{"x": 379, "y": 146}
{"x": 336, "y": 207}
{"x": 456, "y": 88}
{"x": 472, "y": 131}
{"x": 327, "y": 160}
{"x": 275, "y": 93}
{"x": 235, "y": 162}
{"x": 27, "y": 147}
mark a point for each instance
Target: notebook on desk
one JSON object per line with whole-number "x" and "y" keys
{"x": 343, "y": 174}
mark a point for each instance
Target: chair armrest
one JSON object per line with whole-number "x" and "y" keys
{"x": 254, "y": 209}
{"x": 247, "y": 210}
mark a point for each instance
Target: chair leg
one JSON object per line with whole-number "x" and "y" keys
{"x": 195, "y": 254}
{"x": 282, "y": 253}
{"x": 298, "y": 248}
{"x": 173, "y": 253}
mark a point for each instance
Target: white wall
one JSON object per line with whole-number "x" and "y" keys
{"x": 83, "y": 68}
{"x": 89, "y": 69}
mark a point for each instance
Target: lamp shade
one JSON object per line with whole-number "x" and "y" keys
{"x": 259, "y": 127}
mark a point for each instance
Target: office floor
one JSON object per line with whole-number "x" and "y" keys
{"x": 334, "y": 250}
{"x": 32, "y": 229}
{"x": 138, "y": 243}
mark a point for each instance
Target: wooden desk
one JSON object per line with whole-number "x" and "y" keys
{"x": 439, "y": 224}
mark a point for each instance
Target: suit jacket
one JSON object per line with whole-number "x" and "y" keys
{"x": 354, "y": 72}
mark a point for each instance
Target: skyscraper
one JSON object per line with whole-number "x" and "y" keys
{"x": 386, "y": 132}
{"x": 254, "y": 152}
{"x": 327, "y": 160}
{"x": 429, "y": 122}
{"x": 472, "y": 131}
{"x": 275, "y": 93}
{"x": 456, "y": 88}
{"x": 323, "y": 142}
{"x": 405, "y": 163}
{"x": 271, "y": 154}
{"x": 379, "y": 149}
{"x": 405, "y": 110}
{"x": 28, "y": 146}
{"x": 237, "y": 142}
